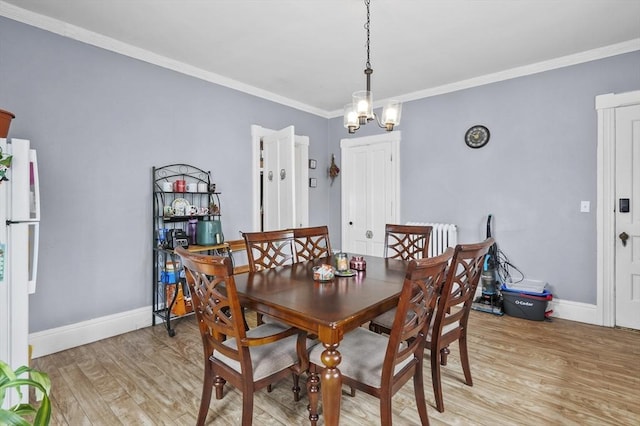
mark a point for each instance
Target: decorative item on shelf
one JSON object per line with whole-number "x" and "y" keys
{"x": 5, "y": 163}
{"x": 179, "y": 185}
{"x": 334, "y": 170}
{"x": 192, "y": 229}
{"x": 360, "y": 110}
{"x": 5, "y": 122}
{"x": 167, "y": 186}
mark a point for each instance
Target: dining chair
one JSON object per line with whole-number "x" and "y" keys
{"x": 406, "y": 242}
{"x": 452, "y": 314}
{"x": 249, "y": 360}
{"x": 268, "y": 250}
{"x": 380, "y": 365}
{"x": 311, "y": 243}
{"x": 451, "y": 319}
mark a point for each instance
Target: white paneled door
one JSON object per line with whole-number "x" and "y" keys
{"x": 370, "y": 191}
{"x": 280, "y": 177}
{"x": 627, "y": 184}
{"x": 278, "y": 180}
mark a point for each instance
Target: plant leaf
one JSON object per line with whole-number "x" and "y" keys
{"x": 10, "y": 418}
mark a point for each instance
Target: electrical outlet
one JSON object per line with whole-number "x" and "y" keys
{"x": 585, "y": 206}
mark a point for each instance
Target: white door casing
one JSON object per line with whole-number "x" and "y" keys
{"x": 286, "y": 196}
{"x": 302, "y": 178}
{"x": 607, "y": 239}
{"x": 370, "y": 191}
{"x": 627, "y": 262}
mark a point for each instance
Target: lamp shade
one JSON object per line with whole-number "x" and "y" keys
{"x": 350, "y": 118}
{"x": 391, "y": 114}
{"x": 363, "y": 104}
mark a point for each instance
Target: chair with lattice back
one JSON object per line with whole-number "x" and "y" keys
{"x": 311, "y": 243}
{"x": 406, "y": 242}
{"x": 249, "y": 360}
{"x": 452, "y": 314}
{"x": 267, "y": 250}
{"x": 380, "y": 365}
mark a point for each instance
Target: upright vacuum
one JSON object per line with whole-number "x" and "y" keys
{"x": 491, "y": 299}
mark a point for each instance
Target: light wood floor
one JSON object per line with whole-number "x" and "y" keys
{"x": 524, "y": 372}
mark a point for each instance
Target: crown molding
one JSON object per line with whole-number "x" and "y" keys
{"x": 556, "y": 63}
{"x": 80, "y": 34}
{"x": 89, "y": 37}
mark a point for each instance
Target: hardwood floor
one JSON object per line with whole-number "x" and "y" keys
{"x": 524, "y": 373}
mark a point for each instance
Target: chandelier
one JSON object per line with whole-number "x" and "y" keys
{"x": 360, "y": 110}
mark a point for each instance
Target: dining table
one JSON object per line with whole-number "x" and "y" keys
{"x": 328, "y": 309}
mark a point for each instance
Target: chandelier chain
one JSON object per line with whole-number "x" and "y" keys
{"x": 367, "y": 26}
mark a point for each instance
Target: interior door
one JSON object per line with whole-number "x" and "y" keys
{"x": 370, "y": 193}
{"x": 278, "y": 182}
{"x": 627, "y": 263}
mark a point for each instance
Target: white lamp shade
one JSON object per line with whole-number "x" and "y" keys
{"x": 350, "y": 116}
{"x": 363, "y": 104}
{"x": 391, "y": 113}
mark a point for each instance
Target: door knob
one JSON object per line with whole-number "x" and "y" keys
{"x": 624, "y": 237}
{"x": 369, "y": 234}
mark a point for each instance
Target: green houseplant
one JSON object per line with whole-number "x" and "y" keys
{"x": 20, "y": 414}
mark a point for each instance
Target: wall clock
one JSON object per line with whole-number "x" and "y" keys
{"x": 477, "y": 136}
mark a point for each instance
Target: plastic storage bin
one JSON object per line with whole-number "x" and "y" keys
{"x": 526, "y": 305}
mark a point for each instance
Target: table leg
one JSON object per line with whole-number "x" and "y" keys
{"x": 331, "y": 384}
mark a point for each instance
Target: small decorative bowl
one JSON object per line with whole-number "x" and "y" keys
{"x": 323, "y": 273}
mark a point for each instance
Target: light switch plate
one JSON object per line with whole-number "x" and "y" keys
{"x": 585, "y": 206}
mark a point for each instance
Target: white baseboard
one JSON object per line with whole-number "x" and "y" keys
{"x": 575, "y": 311}
{"x": 58, "y": 339}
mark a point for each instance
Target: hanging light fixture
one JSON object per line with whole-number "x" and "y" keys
{"x": 360, "y": 110}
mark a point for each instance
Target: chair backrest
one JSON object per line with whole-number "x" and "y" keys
{"x": 406, "y": 242}
{"x": 216, "y": 304}
{"x": 269, "y": 249}
{"x": 459, "y": 289}
{"x": 311, "y": 243}
{"x": 422, "y": 284}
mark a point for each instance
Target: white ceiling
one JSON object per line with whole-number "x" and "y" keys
{"x": 311, "y": 53}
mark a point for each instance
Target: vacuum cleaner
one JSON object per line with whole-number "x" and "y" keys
{"x": 491, "y": 299}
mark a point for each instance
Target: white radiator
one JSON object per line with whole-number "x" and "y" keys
{"x": 443, "y": 235}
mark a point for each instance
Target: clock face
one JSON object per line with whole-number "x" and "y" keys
{"x": 477, "y": 136}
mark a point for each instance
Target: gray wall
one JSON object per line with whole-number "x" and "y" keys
{"x": 100, "y": 121}
{"x": 538, "y": 165}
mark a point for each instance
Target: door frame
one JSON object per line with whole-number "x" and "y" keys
{"x": 257, "y": 132}
{"x": 606, "y": 203}
{"x": 395, "y": 139}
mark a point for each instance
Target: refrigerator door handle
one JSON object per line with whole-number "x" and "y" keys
{"x": 35, "y": 249}
{"x": 34, "y": 185}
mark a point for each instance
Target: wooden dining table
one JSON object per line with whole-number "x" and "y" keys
{"x": 326, "y": 309}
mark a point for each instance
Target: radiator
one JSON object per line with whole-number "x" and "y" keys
{"x": 443, "y": 235}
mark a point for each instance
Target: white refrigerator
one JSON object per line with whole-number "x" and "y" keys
{"x": 19, "y": 230}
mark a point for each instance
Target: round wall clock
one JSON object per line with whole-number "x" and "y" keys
{"x": 477, "y": 136}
